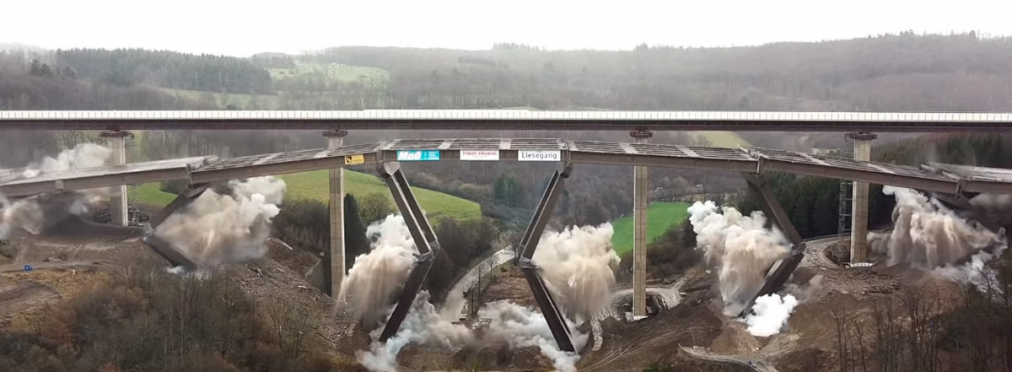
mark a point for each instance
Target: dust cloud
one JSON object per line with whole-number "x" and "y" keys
{"x": 928, "y": 235}
{"x": 85, "y": 155}
{"x": 229, "y": 223}
{"x": 519, "y": 326}
{"x": 35, "y": 214}
{"x": 740, "y": 246}
{"x": 376, "y": 277}
{"x": 423, "y": 325}
{"x": 769, "y": 314}
{"x": 577, "y": 264}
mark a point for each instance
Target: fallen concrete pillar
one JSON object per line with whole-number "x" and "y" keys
{"x": 859, "y": 214}
{"x": 421, "y": 234}
{"x": 181, "y": 201}
{"x": 116, "y": 141}
{"x": 333, "y": 269}
{"x": 640, "y": 205}
{"x": 529, "y": 243}
{"x": 168, "y": 251}
{"x": 780, "y": 271}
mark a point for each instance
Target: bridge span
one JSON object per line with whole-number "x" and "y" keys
{"x": 751, "y": 163}
{"x": 507, "y": 120}
{"x": 941, "y": 178}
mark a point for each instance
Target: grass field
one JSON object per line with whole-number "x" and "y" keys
{"x": 269, "y": 102}
{"x": 149, "y": 194}
{"x": 342, "y": 73}
{"x": 661, "y": 216}
{"x": 316, "y": 186}
{"x": 723, "y": 139}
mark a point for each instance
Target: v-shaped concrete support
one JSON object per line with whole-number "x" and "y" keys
{"x": 780, "y": 271}
{"x": 163, "y": 247}
{"x": 423, "y": 236}
{"x": 529, "y": 244}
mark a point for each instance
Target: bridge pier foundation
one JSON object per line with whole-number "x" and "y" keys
{"x": 333, "y": 265}
{"x": 423, "y": 236}
{"x": 529, "y": 243}
{"x": 859, "y": 214}
{"x": 640, "y": 205}
{"x": 116, "y": 141}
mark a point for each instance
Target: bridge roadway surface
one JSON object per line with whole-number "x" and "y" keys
{"x": 943, "y": 178}
{"x": 507, "y": 120}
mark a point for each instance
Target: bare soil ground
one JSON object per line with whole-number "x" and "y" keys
{"x": 76, "y": 254}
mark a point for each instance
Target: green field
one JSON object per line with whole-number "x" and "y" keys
{"x": 336, "y": 72}
{"x": 267, "y": 102}
{"x": 661, "y": 216}
{"x": 149, "y": 194}
{"x": 723, "y": 139}
{"x": 316, "y": 186}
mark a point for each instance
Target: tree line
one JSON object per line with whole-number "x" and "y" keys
{"x": 205, "y": 72}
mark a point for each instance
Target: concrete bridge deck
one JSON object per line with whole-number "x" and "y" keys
{"x": 507, "y": 120}
{"x": 944, "y": 178}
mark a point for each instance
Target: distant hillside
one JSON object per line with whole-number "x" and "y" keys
{"x": 4, "y": 47}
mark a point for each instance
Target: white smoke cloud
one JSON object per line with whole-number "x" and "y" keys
{"x": 927, "y": 235}
{"x": 769, "y": 314}
{"x": 742, "y": 248}
{"x": 520, "y": 326}
{"x": 974, "y": 272}
{"x": 230, "y": 225}
{"x": 423, "y": 325}
{"x": 85, "y": 155}
{"x": 34, "y": 214}
{"x": 577, "y": 259}
{"x": 577, "y": 266}
{"x": 376, "y": 277}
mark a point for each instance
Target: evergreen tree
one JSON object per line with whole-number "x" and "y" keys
{"x": 355, "y": 241}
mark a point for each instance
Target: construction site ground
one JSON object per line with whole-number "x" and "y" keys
{"x": 695, "y": 335}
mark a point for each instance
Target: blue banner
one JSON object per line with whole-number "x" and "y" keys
{"x": 418, "y": 155}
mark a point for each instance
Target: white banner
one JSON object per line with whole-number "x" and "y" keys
{"x": 479, "y": 155}
{"x": 555, "y": 155}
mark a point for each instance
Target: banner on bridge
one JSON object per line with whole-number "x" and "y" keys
{"x": 418, "y": 155}
{"x": 488, "y": 155}
{"x": 551, "y": 155}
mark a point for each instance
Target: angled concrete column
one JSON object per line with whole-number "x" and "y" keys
{"x": 780, "y": 271}
{"x": 423, "y": 236}
{"x": 859, "y": 214}
{"x": 116, "y": 140}
{"x": 333, "y": 265}
{"x": 640, "y": 204}
{"x": 529, "y": 243}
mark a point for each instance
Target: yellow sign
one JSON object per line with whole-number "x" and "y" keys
{"x": 354, "y": 159}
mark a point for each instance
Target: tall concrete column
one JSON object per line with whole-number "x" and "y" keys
{"x": 640, "y": 203}
{"x": 859, "y": 214}
{"x": 333, "y": 266}
{"x": 116, "y": 141}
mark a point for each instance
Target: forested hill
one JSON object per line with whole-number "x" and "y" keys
{"x": 890, "y": 73}
{"x": 167, "y": 69}
{"x": 903, "y": 72}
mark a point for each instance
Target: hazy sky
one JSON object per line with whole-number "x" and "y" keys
{"x": 244, "y": 27}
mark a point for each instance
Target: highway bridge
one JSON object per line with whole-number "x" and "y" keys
{"x": 941, "y": 178}
{"x": 507, "y": 120}
{"x": 752, "y": 163}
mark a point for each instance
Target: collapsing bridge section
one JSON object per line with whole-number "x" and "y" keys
{"x": 751, "y": 163}
{"x": 933, "y": 177}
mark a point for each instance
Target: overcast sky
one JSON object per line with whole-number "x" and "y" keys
{"x": 244, "y": 27}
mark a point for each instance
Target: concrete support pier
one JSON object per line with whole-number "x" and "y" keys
{"x": 859, "y": 219}
{"x": 640, "y": 204}
{"x": 333, "y": 265}
{"x": 116, "y": 141}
